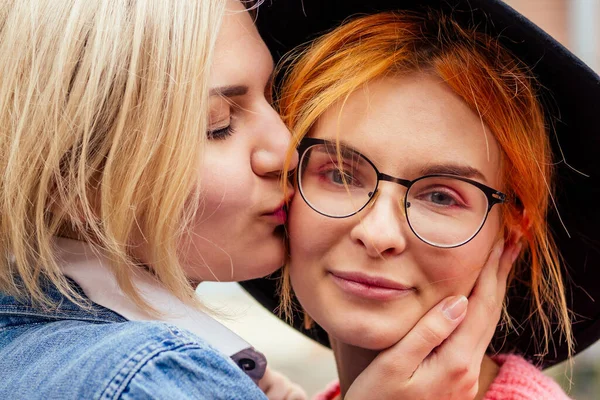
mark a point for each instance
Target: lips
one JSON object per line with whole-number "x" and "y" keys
{"x": 279, "y": 216}
{"x": 279, "y": 213}
{"x": 370, "y": 281}
{"x": 279, "y": 209}
{"x": 370, "y": 287}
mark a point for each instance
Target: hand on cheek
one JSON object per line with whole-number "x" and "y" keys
{"x": 441, "y": 357}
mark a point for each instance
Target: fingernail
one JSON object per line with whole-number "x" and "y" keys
{"x": 454, "y": 307}
{"x": 516, "y": 252}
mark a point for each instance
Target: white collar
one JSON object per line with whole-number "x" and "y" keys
{"x": 92, "y": 273}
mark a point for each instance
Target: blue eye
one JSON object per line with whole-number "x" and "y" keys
{"x": 220, "y": 134}
{"x": 441, "y": 198}
{"x": 341, "y": 177}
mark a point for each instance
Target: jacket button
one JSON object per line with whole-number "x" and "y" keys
{"x": 247, "y": 364}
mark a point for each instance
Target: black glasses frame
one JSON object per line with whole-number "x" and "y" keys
{"x": 492, "y": 195}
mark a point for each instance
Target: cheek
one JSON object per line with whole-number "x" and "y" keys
{"x": 454, "y": 271}
{"x": 310, "y": 234}
{"x": 225, "y": 185}
{"x": 311, "y": 237}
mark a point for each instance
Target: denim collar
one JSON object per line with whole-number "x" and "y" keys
{"x": 89, "y": 272}
{"x": 64, "y": 309}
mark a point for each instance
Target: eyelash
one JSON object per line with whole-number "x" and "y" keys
{"x": 220, "y": 134}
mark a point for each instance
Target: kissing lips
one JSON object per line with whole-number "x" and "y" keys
{"x": 279, "y": 213}
{"x": 279, "y": 216}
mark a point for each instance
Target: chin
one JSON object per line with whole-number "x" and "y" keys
{"x": 365, "y": 335}
{"x": 257, "y": 263}
{"x": 265, "y": 260}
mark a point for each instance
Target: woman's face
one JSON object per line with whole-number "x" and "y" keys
{"x": 237, "y": 234}
{"x": 405, "y": 126}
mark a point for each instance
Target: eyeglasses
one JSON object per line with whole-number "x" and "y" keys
{"x": 442, "y": 210}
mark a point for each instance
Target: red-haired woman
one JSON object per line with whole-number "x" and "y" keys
{"x": 426, "y": 166}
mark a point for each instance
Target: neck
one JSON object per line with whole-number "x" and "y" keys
{"x": 488, "y": 372}
{"x": 351, "y": 361}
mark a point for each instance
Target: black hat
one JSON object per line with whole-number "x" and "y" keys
{"x": 571, "y": 95}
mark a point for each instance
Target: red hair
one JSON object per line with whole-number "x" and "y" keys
{"x": 491, "y": 81}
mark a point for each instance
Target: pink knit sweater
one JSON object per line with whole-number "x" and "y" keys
{"x": 516, "y": 380}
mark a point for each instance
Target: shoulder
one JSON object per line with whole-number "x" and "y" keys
{"x": 177, "y": 364}
{"x": 135, "y": 359}
{"x": 520, "y": 380}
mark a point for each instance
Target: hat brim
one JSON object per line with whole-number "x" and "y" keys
{"x": 571, "y": 97}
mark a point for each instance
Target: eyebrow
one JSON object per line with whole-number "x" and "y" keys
{"x": 453, "y": 169}
{"x": 464, "y": 171}
{"x": 345, "y": 149}
{"x": 229, "y": 91}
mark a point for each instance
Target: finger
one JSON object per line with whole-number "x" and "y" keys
{"x": 507, "y": 262}
{"x": 485, "y": 305}
{"x": 273, "y": 385}
{"x": 459, "y": 357}
{"x": 265, "y": 382}
{"x": 277, "y": 390}
{"x": 431, "y": 330}
{"x": 296, "y": 393}
{"x": 486, "y": 282}
{"x": 282, "y": 388}
{"x": 486, "y": 299}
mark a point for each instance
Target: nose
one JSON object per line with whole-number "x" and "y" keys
{"x": 273, "y": 151}
{"x": 381, "y": 228}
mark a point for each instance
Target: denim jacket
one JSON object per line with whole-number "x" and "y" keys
{"x": 96, "y": 353}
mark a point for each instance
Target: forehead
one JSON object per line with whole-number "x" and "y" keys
{"x": 241, "y": 56}
{"x": 406, "y": 123}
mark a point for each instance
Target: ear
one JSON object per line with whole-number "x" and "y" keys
{"x": 521, "y": 228}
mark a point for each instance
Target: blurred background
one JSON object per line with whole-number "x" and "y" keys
{"x": 576, "y": 24}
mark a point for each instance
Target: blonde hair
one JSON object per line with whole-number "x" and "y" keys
{"x": 103, "y": 115}
{"x": 492, "y": 82}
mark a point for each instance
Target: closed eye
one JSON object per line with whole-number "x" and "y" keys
{"x": 220, "y": 133}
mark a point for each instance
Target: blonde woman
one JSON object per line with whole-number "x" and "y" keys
{"x": 140, "y": 156}
{"x": 135, "y": 138}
